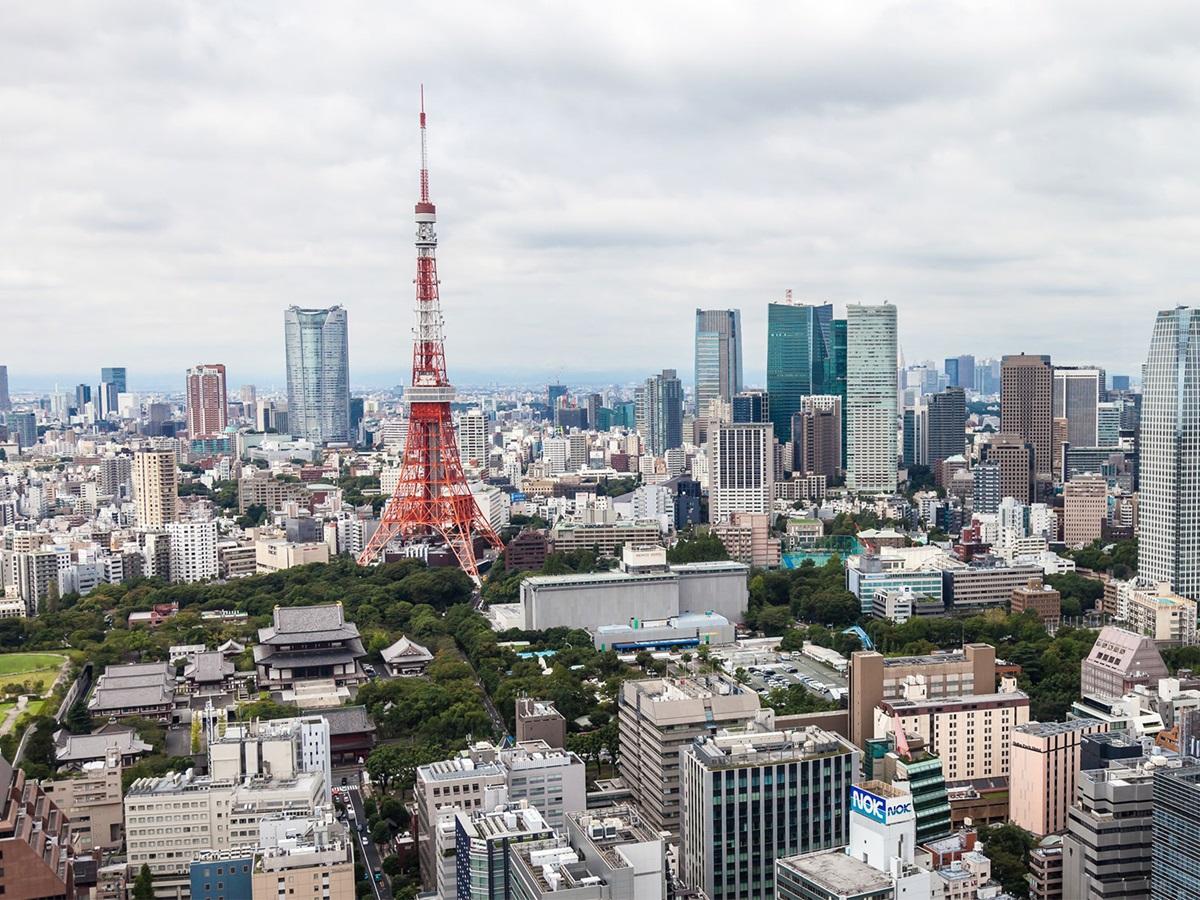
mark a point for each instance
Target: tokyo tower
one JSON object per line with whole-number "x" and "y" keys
{"x": 432, "y": 499}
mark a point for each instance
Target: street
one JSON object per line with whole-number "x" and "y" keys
{"x": 370, "y": 853}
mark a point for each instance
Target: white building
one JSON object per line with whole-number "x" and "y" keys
{"x": 871, "y": 398}
{"x": 741, "y": 469}
{"x": 193, "y": 550}
{"x": 556, "y": 452}
{"x": 473, "y": 444}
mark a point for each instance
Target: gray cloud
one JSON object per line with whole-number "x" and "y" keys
{"x": 1012, "y": 176}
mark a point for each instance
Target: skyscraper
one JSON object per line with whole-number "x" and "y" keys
{"x": 112, "y": 384}
{"x": 318, "y": 373}
{"x": 817, "y": 436}
{"x": 870, "y": 398}
{"x": 741, "y": 470}
{"x": 207, "y": 404}
{"x": 1026, "y": 406}
{"x": 114, "y": 375}
{"x": 947, "y": 425}
{"x": 1175, "y": 861}
{"x": 960, "y": 371}
{"x": 799, "y": 341}
{"x": 663, "y": 400}
{"x": 718, "y": 359}
{"x": 155, "y": 488}
{"x": 752, "y": 406}
{"x": 1169, "y": 509}
{"x": 5, "y": 400}
{"x": 1078, "y": 391}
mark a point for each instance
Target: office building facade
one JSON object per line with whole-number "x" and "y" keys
{"x": 1169, "y": 511}
{"x": 1044, "y": 763}
{"x": 1175, "y": 853}
{"x": 318, "y": 373}
{"x": 799, "y": 345}
{"x": 1026, "y": 405}
{"x": 741, "y": 470}
{"x": 871, "y": 398}
{"x": 662, "y": 418}
{"x": 718, "y": 359}
{"x": 1078, "y": 392}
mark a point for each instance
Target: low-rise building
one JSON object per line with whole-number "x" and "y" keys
{"x": 37, "y": 844}
{"x": 144, "y": 690}
{"x": 406, "y": 658}
{"x": 1119, "y": 661}
{"x": 307, "y": 643}
{"x": 93, "y": 801}
{"x": 539, "y": 720}
{"x": 1162, "y": 614}
{"x": 747, "y": 539}
{"x": 276, "y": 555}
{"x": 74, "y": 751}
{"x": 978, "y": 587}
{"x": 1041, "y": 598}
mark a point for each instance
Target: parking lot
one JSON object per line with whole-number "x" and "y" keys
{"x": 816, "y": 678}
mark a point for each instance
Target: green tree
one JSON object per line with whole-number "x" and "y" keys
{"x": 143, "y": 885}
{"x": 705, "y": 547}
{"x": 1008, "y": 846}
{"x": 79, "y": 720}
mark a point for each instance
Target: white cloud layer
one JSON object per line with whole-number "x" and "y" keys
{"x": 1016, "y": 176}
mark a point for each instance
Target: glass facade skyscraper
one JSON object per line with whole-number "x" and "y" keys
{"x": 718, "y": 359}
{"x": 799, "y": 341}
{"x": 318, "y": 373}
{"x": 1169, "y": 508}
{"x": 662, "y": 398}
{"x": 1175, "y": 857}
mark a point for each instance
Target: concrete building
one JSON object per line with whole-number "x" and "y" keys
{"x": 1027, "y": 405}
{"x": 258, "y": 488}
{"x": 276, "y": 555}
{"x": 1015, "y": 460}
{"x": 662, "y": 412}
{"x": 947, "y": 421}
{"x": 1107, "y": 849}
{"x": 741, "y": 470}
{"x": 817, "y": 436}
{"x": 207, "y": 402}
{"x": 608, "y": 855}
{"x": 484, "y": 841}
{"x": 155, "y": 488}
{"x": 871, "y": 398}
{"x": 658, "y": 720}
{"x": 978, "y": 587}
{"x": 1045, "y": 760}
{"x": 919, "y": 569}
{"x": 1085, "y": 509}
{"x": 539, "y": 720}
{"x": 605, "y": 537}
{"x": 37, "y": 843}
{"x": 971, "y": 734}
{"x": 742, "y": 790}
{"x": 304, "y": 870}
{"x": 1161, "y": 614}
{"x": 93, "y": 802}
{"x": 874, "y": 678}
{"x": 1041, "y": 598}
{"x": 318, "y": 373}
{"x": 747, "y": 539}
{"x": 193, "y": 549}
{"x": 1118, "y": 662}
{"x": 473, "y": 444}
{"x": 654, "y": 591}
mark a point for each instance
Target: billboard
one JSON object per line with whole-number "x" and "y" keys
{"x": 885, "y": 810}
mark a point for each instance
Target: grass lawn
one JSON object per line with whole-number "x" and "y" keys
{"x": 16, "y": 668}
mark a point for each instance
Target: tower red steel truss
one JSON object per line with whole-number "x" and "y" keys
{"x": 431, "y": 498}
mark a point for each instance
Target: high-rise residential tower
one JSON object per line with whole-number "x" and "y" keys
{"x": 207, "y": 406}
{"x": 1026, "y": 405}
{"x": 1078, "y": 391}
{"x": 741, "y": 470}
{"x": 318, "y": 373}
{"x": 155, "y": 488}
{"x": 799, "y": 341}
{"x": 718, "y": 360}
{"x": 1169, "y": 508}
{"x": 870, "y": 398}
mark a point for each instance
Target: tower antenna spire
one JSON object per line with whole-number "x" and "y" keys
{"x": 424, "y": 153}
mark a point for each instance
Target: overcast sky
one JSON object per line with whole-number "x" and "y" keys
{"x": 1013, "y": 176}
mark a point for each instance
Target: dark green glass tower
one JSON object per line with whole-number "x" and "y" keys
{"x": 799, "y": 340}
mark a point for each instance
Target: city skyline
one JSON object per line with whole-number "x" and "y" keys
{"x": 231, "y": 205}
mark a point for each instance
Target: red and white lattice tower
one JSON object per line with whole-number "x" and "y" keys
{"x": 432, "y": 499}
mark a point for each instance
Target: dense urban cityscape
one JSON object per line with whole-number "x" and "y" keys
{"x": 871, "y": 628}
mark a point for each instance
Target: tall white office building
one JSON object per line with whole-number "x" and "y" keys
{"x": 1169, "y": 509}
{"x": 741, "y": 469}
{"x": 318, "y": 373}
{"x": 193, "y": 550}
{"x": 871, "y": 398}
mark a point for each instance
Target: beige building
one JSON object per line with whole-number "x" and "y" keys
{"x": 1085, "y": 509}
{"x": 1045, "y": 761}
{"x": 275, "y": 555}
{"x": 1026, "y": 405}
{"x": 539, "y": 720}
{"x": 155, "y": 488}
{"x": 606, "y": 537}
{"x": 305, "y": 872}
{"x": 93, "y": 802}
{"x": 1161, "y": 614}
{"x": 875, "y": 678}
{"x": 971, "y": 734}
{"x": 747, "y": 539}
{"x": 658, "y": 720}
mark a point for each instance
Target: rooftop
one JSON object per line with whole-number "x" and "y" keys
{"x": 837, "y": 873}
{"x": 308, "y": 625}
{"x": 1049, "y": 729}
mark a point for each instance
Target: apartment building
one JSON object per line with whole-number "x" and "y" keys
{"x": 93, "y": 802}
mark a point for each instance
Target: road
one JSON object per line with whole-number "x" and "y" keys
{"x": 369, "y": 851}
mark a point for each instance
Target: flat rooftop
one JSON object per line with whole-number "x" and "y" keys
{"x": 837, "y": 873}
{"x": 1049, "y": 729}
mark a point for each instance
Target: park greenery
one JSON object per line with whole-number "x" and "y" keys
{"x": 1118, "y": 558}
{"x": 698, "y": 547}
{"x": 504, "y": 586}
